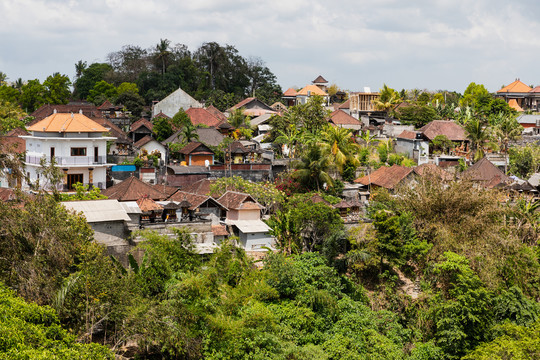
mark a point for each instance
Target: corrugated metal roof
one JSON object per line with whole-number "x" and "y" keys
{"x": 131, "y": 207}
{"x": 98, "y": 210}
{"x": 250, "y": 226}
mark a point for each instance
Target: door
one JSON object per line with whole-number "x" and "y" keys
{"x": 52, "y": 154}
{"x": 96, "y": 154}
{"x": 72, "y": 179}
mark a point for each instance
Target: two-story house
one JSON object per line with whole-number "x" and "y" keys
{"x": 77, "y": 144}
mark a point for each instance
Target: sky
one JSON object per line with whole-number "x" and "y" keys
{"x": 424, "y": 44}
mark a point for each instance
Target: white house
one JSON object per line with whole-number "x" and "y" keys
{"x": 77, "y": 144}
{"x": 173, "y": 102}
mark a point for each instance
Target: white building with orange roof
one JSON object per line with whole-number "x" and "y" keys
{"x": 77, "y": 144}
{"x": 311, "y": 90}
{"x": 515, "y": 94}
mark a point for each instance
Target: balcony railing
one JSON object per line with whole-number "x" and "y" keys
{"x": 69, "y": 160}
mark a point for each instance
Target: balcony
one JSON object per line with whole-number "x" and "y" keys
{"x": 69, "y": 160}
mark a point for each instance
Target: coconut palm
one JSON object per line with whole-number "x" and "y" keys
{"x": 387, "y": 100}
{"x": 337, "y": 143}
{"x": 507, "y": 129}
{"x": 163, "y": 53}
{"x": 189, "y": 133}
{"x": 289, "y": 137}
{"x": 479, "y": 135}
{"x": 312, "y": 169}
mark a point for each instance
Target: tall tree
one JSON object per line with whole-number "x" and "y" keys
{"x": 57, "y": 89}
{"x": 162, "y": 53}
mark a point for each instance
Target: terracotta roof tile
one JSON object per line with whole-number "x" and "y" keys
{"x": 407, "y": 134}
{"x": 536, "y": 89}
{"x": 484, "y": 171}
{"x": 7, "y": 194}
{"x": 195, "y": 200}
{"x": 146, "y": 204}
{"x": 201, "y": 187}
{"x": 234, "y": 200}
{"x": 433, "y": 170}
{"x": 106, "y": 105}
{"x": 386, "y": 177}
{"x": 450, "y": 129}
{"x": 88, "y": 109}
{"x": 141, "y": 122}
{"x": 196, "y": 147}
{"x": 200, "y": 116}
{"x": 236, "y": 147}
{"x": 12, "y": 143}
{"x": 313, "y": 89}
{"x": 62, "y": 122}
{"x": 161, "y": 115}
{"x": 514, "y": 105}
{"x": 345, "y": 105}
{"x": 220, "y": 230}
{"x": 132, "y": 189}
{"x": 320, "y": 80}
{"x": 145, "y": 140}
{"x": 340, "y": 117}
{"x": 290, "y": 92}
{"x": 214, "y": 111}
{"x": 515, "y": 87}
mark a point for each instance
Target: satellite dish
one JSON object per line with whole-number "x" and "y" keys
{"x": 206, "y": 163}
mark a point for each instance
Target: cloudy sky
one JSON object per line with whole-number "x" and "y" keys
{"x": 425, "y": 44}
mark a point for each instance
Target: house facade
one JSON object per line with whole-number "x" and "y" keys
{"x": 75, "y": 142}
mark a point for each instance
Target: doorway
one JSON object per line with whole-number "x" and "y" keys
{"x": 73, "y": 179}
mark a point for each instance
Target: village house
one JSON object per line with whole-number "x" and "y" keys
{"x": 175, "y": 101}
{"x": 516, "y": 95}
{"x": 244, "y": 217}
{"x": 76, "y": 143}
{"x": 340, "y": 118}
{"x": 140, "y": 129}
{"x": 151, "y": 146}
{"x": 197, "y": 154}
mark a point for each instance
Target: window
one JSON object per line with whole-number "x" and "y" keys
{"x": 78, "y": 151}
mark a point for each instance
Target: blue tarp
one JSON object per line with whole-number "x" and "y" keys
{"x": 124, "y": 168}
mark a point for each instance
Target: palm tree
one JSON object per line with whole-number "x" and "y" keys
{"x": 289, "y": 137}
{"x": 162, "y": 53}
{"x": 80, "y": 66}
{"x": 189, "y": 133}
{"x": 479, "y": 135}
{"x": 387, "y": 100}
{"x": 312, "y": 169}
{"x": 337, "y": 143}
{"x": 238, "y": 119}
{"x": 506, "y": 129}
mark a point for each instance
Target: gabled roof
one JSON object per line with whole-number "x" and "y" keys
{"x": 313, "y": 89}
{"x": 433, "y": 170}
{"x": 88, "y": 109}
{"x": 514, "y": 105}
{"x": 207, "y": 136}
{"x": 132, "y": 189}
{"x": 320, "y": 80}
{"x": 16, "y": 132}
{"x": 290, "y": 92}
{"x": 214, "y": 111}
{"x": 145, "y": 140}
{"x": 386, "y": 177}
{"x": 146, "y": 204}
{"x": 407, "y": 134}
{"x": 196, "y": 148}
{"x": 63, "y": 122}
{"x": 139, "y": 123}
{"x": 12, "y": 143}
{"x": 484, "y": 171}
{"x": 236, "y": 147}
{"x": 536, "y": 89}
{"x": 340, "y": 117}
{"x": 106, "y": 105}
{"x": 195, "y": 200}
{"x": 237, "y": 200}
{"x": 201, "y": 187}
{"x": 345, "y": 105}
{"x": 252, "y": 107}
{"x": 161, "y": 115}
{"x": 200, "y": 116}
{"x": 220, "y": 230}
{"x": 260, "y": 119}
{"x": 515, "y": 87}
{"x": 450, "y": 129}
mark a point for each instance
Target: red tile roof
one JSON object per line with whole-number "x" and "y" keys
{"x": 196, "y": 148}
{"x": 535, "y": 90}
{"x": 141, "y": 122}
{"x": 132, "y": 189}
{"x": 290, "y": 92}
{"x": 146, "y": 204}
{"x": 195, "y": 200}
{"x": 320, "y": 80}
{"x": 200, "y": 116}
{"x": 515, "y": 87}
{"x": 145, "y": 140}
{"x": 162, "y": 115}
{"x": 214, "y": 111}
{"x": 7, "y": 194}
{"x": 450, "y": 129}
{"x": 345, "y": 105}
{"x": 340, "y": 117}
{"x": 200, "y": 187}
{"x": 484, "y": 171}
{"x": 243, "y": 103}
{"x": 220, "y": 230}
{"x": 433, "y": 170}
{"x": 106, "y": 105}
{"x": 235, "y": 200}
{"x": 12, "y": 143}
{"x": 386, "y": 177}
{"x": 407, "y": 134}
{"x": 89, "y": 110}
